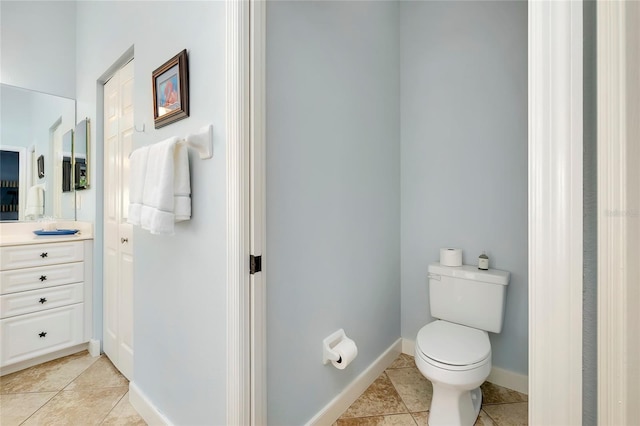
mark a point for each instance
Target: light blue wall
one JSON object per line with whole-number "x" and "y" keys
{"x": 333, "y": 195}
{"x": 179, "y": 281}
{"x": 464, "y": 153}
{"x": 37, "y": 41}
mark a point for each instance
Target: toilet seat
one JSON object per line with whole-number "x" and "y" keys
{"x": 452, "y": 346}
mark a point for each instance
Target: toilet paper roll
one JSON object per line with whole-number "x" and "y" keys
{"x": 347, "y": 350}
{"x": 450, "y": 257}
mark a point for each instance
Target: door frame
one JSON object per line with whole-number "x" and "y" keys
{"x": 555, "y": 212}
{"x": 555, "y": 186}
{"x": 246, "y": 295}
{"x": 98, "y": 271}
{"x": 618, "y": 59}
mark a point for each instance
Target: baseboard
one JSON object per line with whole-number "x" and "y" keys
{"x": 338, "y": 405}
{"x": 509, "y": 379}
{"x": 408, "y": 347}
{"x": 145, "y": 408}
{"x": 498, "y": 376}
{"x": 94, "y": 347}
{"x": 12, "y": 368}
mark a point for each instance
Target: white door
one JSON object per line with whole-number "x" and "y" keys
{"x": 118, "y": 236}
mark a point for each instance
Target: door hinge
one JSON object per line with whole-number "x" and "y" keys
{"x": 255, "y": 264}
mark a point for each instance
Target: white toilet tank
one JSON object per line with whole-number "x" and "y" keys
{"x": 469, "y": 296}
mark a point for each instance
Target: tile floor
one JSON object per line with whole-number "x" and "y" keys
{"x": 75, "y": 390}
{"x": 401, "y": 396}
{"x": 82, "y": 390}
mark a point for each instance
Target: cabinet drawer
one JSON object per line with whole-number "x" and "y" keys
{"x": 31, "y": 335}
{"x": 26, "y": 256}
{"x": 41, "y": 277}
{"x": 39, "y": 300}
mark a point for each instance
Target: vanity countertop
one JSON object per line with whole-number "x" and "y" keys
{"x": 21, "y": 233}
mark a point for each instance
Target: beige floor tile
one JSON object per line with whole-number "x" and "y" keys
{"x": 124, "y": 414}
{"x": 484, "y": 419}
{"x": 414, "y": 389}
{"x": 82, "y": 407}
{"x": 102, "y": 374}
{"x": 494, "y": 394}
{"x": 47, "y": 377}
{"x": 422, "y": 419}
{"x": 379, "y": 399}
{"x": 508, "y": 414}
{"x": 392, "y": 420}
{"x": 16, "y": 408}
{"x": 403, "y": 361}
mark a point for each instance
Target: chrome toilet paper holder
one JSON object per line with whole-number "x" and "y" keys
{"x": 328, "y": 354}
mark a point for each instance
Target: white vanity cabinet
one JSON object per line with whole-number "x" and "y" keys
{"x": 45, "y": 300}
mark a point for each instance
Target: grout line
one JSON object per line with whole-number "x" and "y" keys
{"x": 488, "y": 415}
{"x": 372, "y": 416}
{"x": 401, "y": 399}
{"x": 504, "y": 403}
{"x": 81, "y": 373}
{"x": 42, "y": 406}
{"x": 56, "y": 392}
{"x": 113, "y": 408}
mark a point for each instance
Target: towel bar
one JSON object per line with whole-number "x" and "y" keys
{"x": 202, "y": 142}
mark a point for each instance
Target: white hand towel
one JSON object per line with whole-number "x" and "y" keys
{"x": 167, "y": 192}
{"x": 137, "y": 172}
{"x": 181, "y": 184}
{"x": 35, "y": 202}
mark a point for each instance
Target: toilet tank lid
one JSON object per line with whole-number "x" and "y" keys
{"x": 469, "y": 272}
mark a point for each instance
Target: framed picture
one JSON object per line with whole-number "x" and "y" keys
{"x": 171, "y": 90}
{"x": 41, "y": 166}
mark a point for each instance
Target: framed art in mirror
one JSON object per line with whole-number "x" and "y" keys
{"x": 81, "y": 155}
{"x": 171, "y": 90}
{"x": 41, "y": 166}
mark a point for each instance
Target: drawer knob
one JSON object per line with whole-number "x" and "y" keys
{"x": 43, "y": 255}
{"x": 124, "y": 240}
{"x": 43, "y": 300}
{"x": 42, "y": 334}
{"x": 43, "y": 278}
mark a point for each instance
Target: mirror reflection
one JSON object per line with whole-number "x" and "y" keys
{"x": 81, "y": 156}
{"x": 67, "y": 147}
{"x": 33, "y": 126}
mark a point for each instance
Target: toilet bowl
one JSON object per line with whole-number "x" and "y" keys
{"x": 454, "y": 351}
{"x": 457, "y": 360}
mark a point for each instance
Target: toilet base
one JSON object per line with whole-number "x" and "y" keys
{"x": 453, "y": 406}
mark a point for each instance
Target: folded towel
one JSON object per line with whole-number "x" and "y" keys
{"x": 137, "y": 173}
{"x": 166, "y": 195}
{"x": 35, "y": 202}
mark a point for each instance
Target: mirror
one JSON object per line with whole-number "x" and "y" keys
{"x": 33, "y": 132}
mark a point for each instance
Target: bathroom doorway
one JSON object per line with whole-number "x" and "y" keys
{"x": 11, "y": 184}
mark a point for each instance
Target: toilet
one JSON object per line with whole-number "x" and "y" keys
{"x": 454, "y": 351}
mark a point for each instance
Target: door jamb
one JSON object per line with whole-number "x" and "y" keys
{"x": 618, "y": 61}
{"x": 555, "y": 212}
{"x": 246, "y": 296}
{"x": 238, "y": 125}
{"x": 258, "y": 212}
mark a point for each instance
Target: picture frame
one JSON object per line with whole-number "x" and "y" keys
{"x": 40, "y": 162}
{"x": 171, "y": 90}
